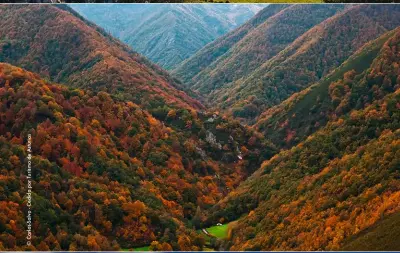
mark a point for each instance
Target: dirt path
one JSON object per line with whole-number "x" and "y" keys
{"x": 205, "y": 232}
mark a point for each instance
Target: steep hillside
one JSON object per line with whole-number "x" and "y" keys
{"x": 341, "y": 180}
{"x": 269, "y": 64}
{"x": 189, "y": 28}
{"x": 108, "y": 175}
{"x": 210, "y": 53}
{"x": 379, "y": 237}
{"x": 335, "y": 95}
{"x": 124, "y": 158}
{"x": 316, "y": 207}
{"x": 283, "y": 24}
{"x": 65, "y": 48}
{"x": 310, "y": 57}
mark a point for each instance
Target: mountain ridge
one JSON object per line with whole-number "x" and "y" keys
{"x": 295, "y": 108}
{"x": 85, "y": 58}
{"x": 190, "y": 27}
{"x": 295, "y": 65}
{"x": 271, "y": 29}
{"x": 222, "y": 45}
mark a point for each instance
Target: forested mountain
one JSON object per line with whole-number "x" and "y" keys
{"x": 58, "y": 44}
{"x": 339, "y": 181}
{"x": 125, "y": 156}
{"x": 270, "y": 32}
{"x": 108, "y": 175}
{"x": 210, "y": 53}
{"x": 309, "y": 58}
{"x": 335, "y": 95}
{"x": 266, "y": 67}
{"x": 190, "y": 27}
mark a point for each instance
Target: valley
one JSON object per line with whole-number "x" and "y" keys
{"x": 190, "y": 26}
{"x": 274, "y": 130}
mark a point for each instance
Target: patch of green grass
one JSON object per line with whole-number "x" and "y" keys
{"x": 219, "y": 231}
{"x": 208, "y": 249}
{"x": 145, "y": 248}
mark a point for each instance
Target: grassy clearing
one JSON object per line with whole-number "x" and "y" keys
{"x": 219, "y": 231}
{"x": 145, "y": 248}
{"x": 208, "y": 249}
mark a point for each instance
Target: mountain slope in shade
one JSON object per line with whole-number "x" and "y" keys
{"x": 335, "y": 95}
{"x": 60, "y": 45}
{"x": 282, "y": 25}
{"x": 210, "y": 53}
{"x": 245, "y": 81}
{"x": 107, "y": 174}
{"x": 310, "y": 57}
{"x": 380, "y": 237}
{"x": 189, "y": 28}
{"x": 339, "y": 181}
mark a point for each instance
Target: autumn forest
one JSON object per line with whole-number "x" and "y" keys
{"x": 281, "y": 131}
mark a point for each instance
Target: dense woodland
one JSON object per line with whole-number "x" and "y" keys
{"x": 210, "y": 53}
{"x": 311, "y": 57}
{"x": 109, "y": 169}
{"x": 42, "y": 39}
{"x": 263, "y": 42}
{"x": 336, "y": 182}
{"x": 334, "y": 96}
{"x": 282, "y": 55}
{"x": 127, "y": 156}
{"x": 379, "y": 237}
